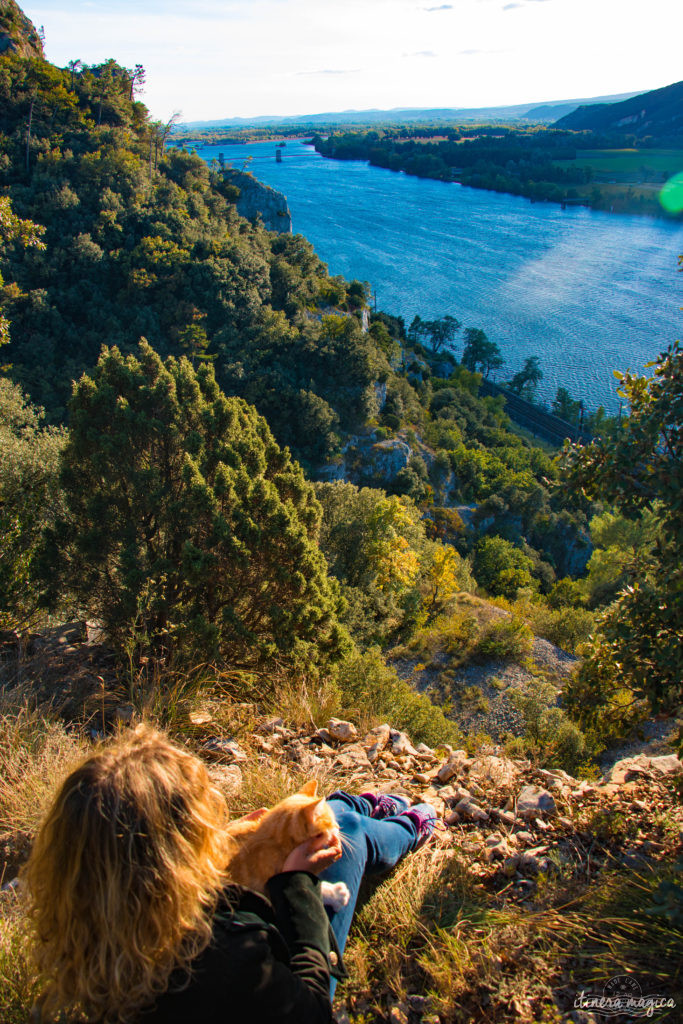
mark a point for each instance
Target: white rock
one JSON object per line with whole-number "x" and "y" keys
{"x": 343, "y": 732}
{"x": 493, "y": 839}
{"x": 229, "y": 749}
{"x": 263, "y": 744}
{"x": 378, "y": 737}
{"x": 470, "y": 810}
{"x": 627, "y": 769}
{"x": 533, "y": 801}
{"x": 506, "y": 817}
{"x": 401, "y": 745}
{"x": 200, "y": 718}
{"x": 666, "y": 764}
{"x": 557, "y": 774}
{"x": 499, "y": 851}
{"x": 227, "y": 776}
{"x": 271, "y": 725}
{"x": 455, "y": 763}
{"x": 435, "y": 802}
{"x": 425, "y": 753}
{"x": 352, "y": 757}
{"x": 532, "y": 862}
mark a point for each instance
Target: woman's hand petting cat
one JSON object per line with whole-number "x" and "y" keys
{"x": 315, "y": 854}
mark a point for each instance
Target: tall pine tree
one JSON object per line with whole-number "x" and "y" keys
{"x": 188, "y": 527}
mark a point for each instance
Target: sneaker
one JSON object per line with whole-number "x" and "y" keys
{"x": 385, "y": 805}
{"x": 424, "y": 818}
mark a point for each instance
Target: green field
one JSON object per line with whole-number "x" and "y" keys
{"x": 629, "y": 165}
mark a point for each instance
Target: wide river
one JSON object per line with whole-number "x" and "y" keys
{"x": 586, "y": 292}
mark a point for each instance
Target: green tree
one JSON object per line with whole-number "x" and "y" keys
{"x": 436, "y": 334}
{"x": 29, "y": 500}
{"x": 137, "y": 79}
{"x": 566, "y": 407}
{"x": 74, "y": 67}
{"x": 526, "y": 380}
{"x": 501, "y": 567}
{"x": 187, "y": 524}
{"x": 373, "y": 544}
{"x": 637, "y": 650}
{"x": 26, "y": 233}
{"x": 480, "y": 353}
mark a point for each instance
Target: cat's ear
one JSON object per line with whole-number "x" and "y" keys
{"x": 310, "y": 788}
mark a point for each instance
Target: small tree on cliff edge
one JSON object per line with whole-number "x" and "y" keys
{"x": 187, "y": 524}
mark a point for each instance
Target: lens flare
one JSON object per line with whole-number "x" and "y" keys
{"x": 671, "y": 196}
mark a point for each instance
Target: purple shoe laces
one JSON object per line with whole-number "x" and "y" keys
{"x": 425, "y": 823}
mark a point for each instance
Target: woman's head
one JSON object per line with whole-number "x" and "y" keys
{"x": 124, "y": 875}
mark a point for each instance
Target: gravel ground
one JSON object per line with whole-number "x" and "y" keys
{"x": 655, "y": 737}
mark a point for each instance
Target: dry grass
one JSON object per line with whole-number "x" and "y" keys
{"x": 36, "y": 753}
{"x": 433, "y": 929}
{"x": 17, "y": 984}
{"x": 303, "y": 702}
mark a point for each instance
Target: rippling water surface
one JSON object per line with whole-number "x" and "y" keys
{"x": 587, "y": 292}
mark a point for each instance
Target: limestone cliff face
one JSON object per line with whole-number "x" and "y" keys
{"x": 258, "y": 199}
{"x": 17, "y": 33}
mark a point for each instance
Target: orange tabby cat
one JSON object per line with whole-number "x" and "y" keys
{"x": 264, "y": 844}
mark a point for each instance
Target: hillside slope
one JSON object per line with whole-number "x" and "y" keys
{"x": 658, "y": 113}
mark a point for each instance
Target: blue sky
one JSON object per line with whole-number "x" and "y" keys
{"x": 223, "y": 58}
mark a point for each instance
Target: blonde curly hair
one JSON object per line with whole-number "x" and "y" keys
{"x": 124, "y": 877}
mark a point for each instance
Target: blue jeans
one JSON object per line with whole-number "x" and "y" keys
{"x": 369, "y": 845}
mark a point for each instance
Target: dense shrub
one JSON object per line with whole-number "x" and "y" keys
{"x": 188, "y": 527}
{"x": 506, "y": 639}
{"x": 549, "y": 737}
{"x": 375, "y": 691}
{"x": 501, "y": 567}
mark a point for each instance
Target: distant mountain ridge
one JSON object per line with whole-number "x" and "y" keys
{"x": 658, "y": 113}
{"x": 407, "y": 115}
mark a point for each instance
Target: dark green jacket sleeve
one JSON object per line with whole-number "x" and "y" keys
{"x": 268, "y": 963}
{"x": 299, "y": 911}
{"x": 279, "y": 993}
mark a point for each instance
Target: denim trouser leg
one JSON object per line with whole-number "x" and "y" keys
{"x": 369, "y": 845}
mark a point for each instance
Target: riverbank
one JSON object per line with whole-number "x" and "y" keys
{"x": 543, "y": 165}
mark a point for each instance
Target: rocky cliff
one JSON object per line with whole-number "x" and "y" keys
{"x": 257, "y": 199}
{"x": 17, "y": 33}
